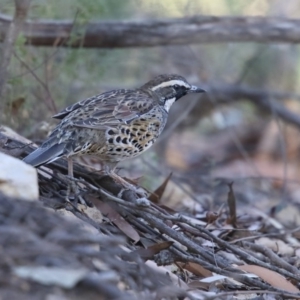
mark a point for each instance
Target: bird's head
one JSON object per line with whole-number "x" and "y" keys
{"x": 170, "y": 88}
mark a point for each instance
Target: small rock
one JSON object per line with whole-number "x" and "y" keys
{"x": 18, "y": 179}
{"x": 66, "y": 278}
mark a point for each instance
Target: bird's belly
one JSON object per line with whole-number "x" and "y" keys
{"x": 130, "y": 140}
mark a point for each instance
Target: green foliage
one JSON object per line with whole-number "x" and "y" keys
{"x": 85, "y": 10}
{"x": 20, "y": 47}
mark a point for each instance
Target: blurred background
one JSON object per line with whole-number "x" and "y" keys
{"x": 207, "y": 143}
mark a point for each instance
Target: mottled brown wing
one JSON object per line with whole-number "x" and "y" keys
{"x": 121, "y": 108}
{"x": 85, "y": 102}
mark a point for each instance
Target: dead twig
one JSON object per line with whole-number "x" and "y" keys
{"x": 268, "y": 101}
{"x": 273, "y": 257}
{"x": 48, "y": 99}
{"x": 266, "y": 291}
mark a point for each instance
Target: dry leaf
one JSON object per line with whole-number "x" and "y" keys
{"x": 297, "y": 253}
{"x": 169, "y": 270}
{"x": 212, "y": 216}
{"x": 271, "y": 277}
{"x": 157, "y": 194}
{"x": 93, "y": 213}
{"x": 118, "y": 220}
{"x": 214, "y": 278}
{"x": 276, "y": 245}
{"x": 152, "y": 250}
{"x": 15, "y": 105}
{"x": 195, "y": 269}
{"x": 196, "y": 284}
{"x": 232, "y": 206}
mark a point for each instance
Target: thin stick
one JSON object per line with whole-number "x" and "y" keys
{"x": 70, "y": 167}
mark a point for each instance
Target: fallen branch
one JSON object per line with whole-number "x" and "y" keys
{"x": 265, "y": 100}
{"x": 149, "y": 33}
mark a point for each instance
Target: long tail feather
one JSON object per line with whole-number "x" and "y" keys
{"x": 44, "y": 155}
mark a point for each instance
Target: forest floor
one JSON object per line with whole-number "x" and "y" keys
{"x": 243, "y": 242}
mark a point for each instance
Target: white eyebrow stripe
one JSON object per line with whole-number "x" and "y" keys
{"x": 170, "y": 83}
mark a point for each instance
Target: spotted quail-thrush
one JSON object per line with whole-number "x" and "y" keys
{"x": 115, "y": 125}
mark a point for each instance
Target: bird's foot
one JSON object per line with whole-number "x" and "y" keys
{"x": 127, "y": 185}
{"x": 73, "y": 194}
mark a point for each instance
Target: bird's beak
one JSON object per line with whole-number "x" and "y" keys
{"x": 195, "y": 89}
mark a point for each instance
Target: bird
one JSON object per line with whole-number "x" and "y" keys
{"x": 113, "y": 126}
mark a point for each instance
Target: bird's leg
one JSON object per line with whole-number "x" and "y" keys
{"x": 120, "y": 180}
{"x": 110, "y": 171}
{"x": 72, "y": 186}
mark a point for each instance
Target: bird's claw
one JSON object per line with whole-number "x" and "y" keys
{"x": 73, "y": 189}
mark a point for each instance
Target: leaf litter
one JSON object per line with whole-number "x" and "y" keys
{"x": 146, "y": 252}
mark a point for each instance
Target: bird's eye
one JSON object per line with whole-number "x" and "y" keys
{"x": 176, "y": 86}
